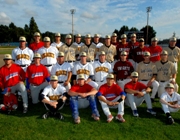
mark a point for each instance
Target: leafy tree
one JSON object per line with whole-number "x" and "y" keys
{"x": 133, "y": 29}
{"x": 32, "y": 27}
{"x": 122, "y": 30}
{"x": 4, "y": 33}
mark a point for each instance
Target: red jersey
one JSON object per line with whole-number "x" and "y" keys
{"x": 35, "y": 46}
{"x": 10, "y": 100}
{"x": 133, "y": 46}
{"x": 11, "y": 76}
{"x": 81, "y": 89}
{"x": 135, "y": 86}
{"x": 110, "y": 92}
{"x": 122, "y": 47}
{"x": 123, "y": 69}
{"x": 138, "y": 53}
{"x": 115, "y": 43}
{"x": 155, "y": 53}
{"x": 37, "y": 74}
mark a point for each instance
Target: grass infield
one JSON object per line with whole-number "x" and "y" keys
{"x": 31, "y": 125}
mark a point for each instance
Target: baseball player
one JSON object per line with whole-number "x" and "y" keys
{"x": 132, "y": 45}
{"x": 81, "y": 93}
{"x": 37, "y": 78}
{"x": 54, "y": 97}
{"x": 166, "y": 73}
{"x": 122, "y": 70}
{"x": 48, "y": 54}
{"x": 155, "y": 50}
{"x": 111, "y": 95}
{"x": 57, "y": 42}
{"x": 109, "y": 49}
{"x": 173, "y": 52}
{"x": 69, "y": 51}
{"x": 63, "y": 71}
{"x": 137, "y": 92}
{"x": 147, "y": 74}
{"x": 97, "y": 44}
{"x": 170, "y": 101}
{"x": 13, "y": 76}
{"x": 101, "y": 69}
{"x": 37, "y": 44}
{"x": 22, "y": 55}
{"x": 89, "y": 48}
{"x": 114, "y": 40}
{"x": 85, "y": 68}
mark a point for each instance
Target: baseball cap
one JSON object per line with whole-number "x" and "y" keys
{"x": 133, "y": 35}
{"x": 37, "y": 55}
{"x": 36, "y": 34}
{"x": 7, "y": 57}
{"x": 54, "y": 78}
{"x": 22, "y": 38}
{"x": 141, "y": 40}
{"x": 102, "y": 53}
{"x": 123, "y": 36}
{"x": 114, "y": 34}
{"x": 123, "y": 53}
{"x": 80, "y": 76}
{"x": 110, "y": 76}
{"x": 164, "y": 52}
{"x": 172, "y": 39}
{"x": 68, "y": 36}
{"x": 134, "y": 74}
{"x": 88, "y": 36}
{"x": 154, "y": 39}
{"x": 57, "y": 34}
{"x": 146, "y": 53}
{"x": 78, "y": 35}
{"x": 61, "y": 54}
{"x": 46, "y": 39}
{"x": 169, "y": 85}
{"x": 83, "y": 54}
{"x": 107, "y": 36}
{"x": 96, "y": 35}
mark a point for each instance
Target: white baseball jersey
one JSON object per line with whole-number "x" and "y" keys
{"x": 171, "y": 99}
{"x": 101, "y": 70}
{"x": 86, "y": 69}
{"x": 22, "y": 57}
{"x": 52, "y": 94}
{"x": 98, "y": 45}
{"x": 57, "y": 45}
{"x": 61, "y": 71}
{"x": 78, "y": 44}
{"x": 48, "y": 55}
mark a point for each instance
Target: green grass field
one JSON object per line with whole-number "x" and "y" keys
{"x": 31, "y": 126}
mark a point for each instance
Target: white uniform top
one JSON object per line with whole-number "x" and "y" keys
{"x": 86, "y": 69}
{"x": 170, "y": 99}
{"x": 101, "y": 70}
{"x": 98, "y": 45}
{"x": 61, "y": 71}
{"x": 78, "y": 44}
{"x": 50, "y": 91}
{"x": 48, "y": 55}
{"x": 22, "y": 57}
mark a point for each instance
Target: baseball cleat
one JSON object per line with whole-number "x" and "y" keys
{"x": 59, "y": 116}
{"x": 46, "y": 115}
{"x": 151, "y": 112}
{"x": 135, "y": 113}
{"x": 77, "y": 120}
{"x": 110, "y": 118}
{"x": 170, "y": 120}
{"x": 120, "y": 118}
{"x": 96, "y": 118}
{"x": 25, "y": 109}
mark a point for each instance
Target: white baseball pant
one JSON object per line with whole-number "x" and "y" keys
{"x": 168, "y": 109}
{"x": 100, "y": 83}
{"x": 68, "y": 87}
{"x": 122, "y": 83}
{"x": 93, "y": 84}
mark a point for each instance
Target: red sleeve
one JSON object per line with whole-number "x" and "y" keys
{"x": 5, "y": 100}
{"x": 127, "y": 86}
{"x": 74, "y": 88}
{"x": 119, "y": 90}
{"x": 88, "y": 87}
{"x": 141, "y": 86}
{"x": 101, "y": 90}
{"x": 22, "y": 74}
{"x": 28, "y": 72}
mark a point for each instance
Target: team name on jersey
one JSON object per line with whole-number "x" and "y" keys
{"x": 83, "y": 71}
{"x": 123, "y": 68}
{"x": 124, "y": 49}
{"x": 146, "y": 71}
{"x": 38, "y": 74}
{"x": 61, "y": 72}
{"x": 22, "y": 56}
{"x": 164, "y": 70}
{"x": 11, "y": 75}
{"x": 111, "y": 95}
{"x": 54, "y": 97}
{"x": 154, "y": 54}
{"x": 140, "y": 53}
{"x": 104, "y": 69}
{"x": 47, "y": 55}
{"x": 170, "y": 54}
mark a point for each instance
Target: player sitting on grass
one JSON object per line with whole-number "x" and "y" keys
{"x": 85, "y": 92}
{"x": 54, "y": 97}
{"x": 170, "y": 102}
{"x": 111, "y": 95}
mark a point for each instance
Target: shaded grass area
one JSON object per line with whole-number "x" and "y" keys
{"x": 6, "y": 50}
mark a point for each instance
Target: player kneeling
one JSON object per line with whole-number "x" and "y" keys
{"x": 111, "y": 95}
{"x": 80, "y": 93}
{"x": 54, "y": 97}
{"x": 170, "y": 102}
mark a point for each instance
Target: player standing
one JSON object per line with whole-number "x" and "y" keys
{"x": 57, "y": 42}
{"x": 97, "y": 44}
{"x": 114, "y": 40}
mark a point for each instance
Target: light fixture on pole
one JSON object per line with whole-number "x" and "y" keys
{"x": 72, "y": 12}
{"x": 148, "y": 10}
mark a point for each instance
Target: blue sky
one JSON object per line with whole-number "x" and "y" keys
{"x": 93, "y": 16}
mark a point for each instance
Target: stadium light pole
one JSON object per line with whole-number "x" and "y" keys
{"x": 72, "y": 12}
{"x": 148, "y": 10}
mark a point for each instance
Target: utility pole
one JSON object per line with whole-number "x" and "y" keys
{"x": 148, "y": 10}
{"x": 72, "y": 12}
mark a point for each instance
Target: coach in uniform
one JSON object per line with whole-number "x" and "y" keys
{"x": 147, "y": 74}
{"x": 114, "y": 40}
{"x": 48, "y": 54}
{"x": 13, "y": 76}
{"x": 54, "y": 97}
{"x": 85, "y": 92}
{"x": 137, "y": 92}
{"x": 98, "y": 44}
{"x": 101, "y": 69}
{"x": 22, "y": 55}
{"x": 63, "y": 71}
{"x": 37, "y": 78}
{"x": 111, "y": 95}
{"x": 166, "y": 73}
{"x": 57, "y": 42}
